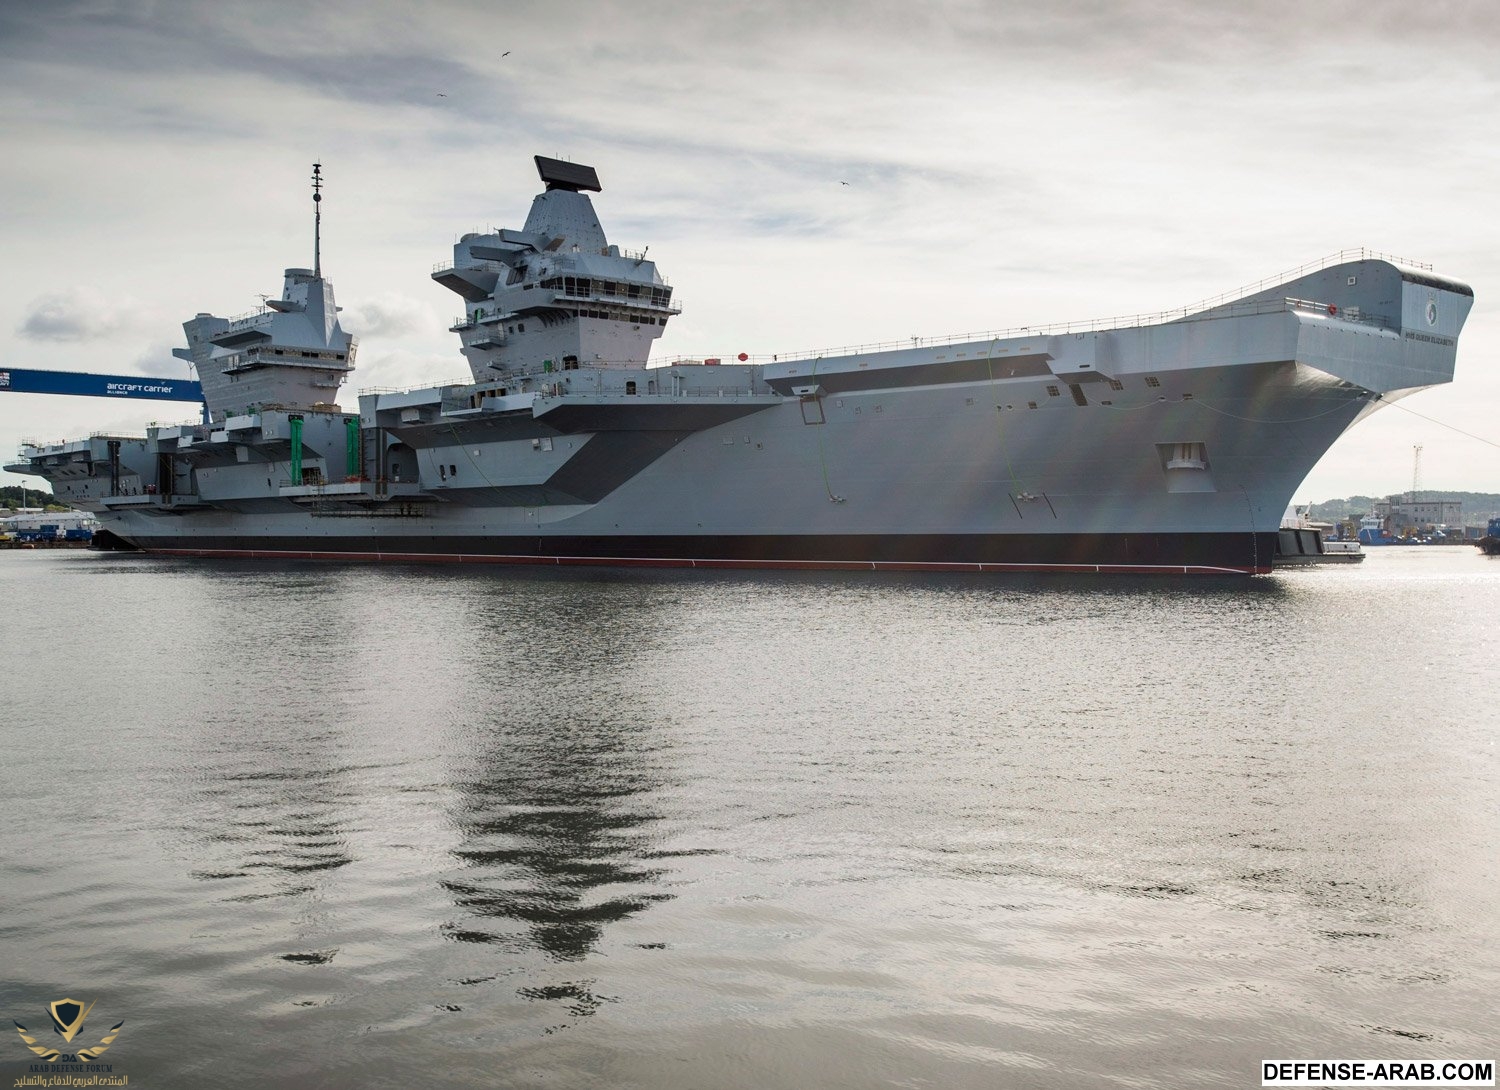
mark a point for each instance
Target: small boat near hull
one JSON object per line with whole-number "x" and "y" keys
{"x": 1301, "y": 547}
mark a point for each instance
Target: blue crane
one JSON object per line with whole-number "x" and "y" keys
{"x": 16, "y": 380}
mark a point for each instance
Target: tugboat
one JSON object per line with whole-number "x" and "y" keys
{"x": 1372, "y": 531}
{"x": 1489, "y": 544}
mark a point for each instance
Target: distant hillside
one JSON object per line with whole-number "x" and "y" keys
{"x": 10, "y": 497}
{"x": 1479, "y": 507}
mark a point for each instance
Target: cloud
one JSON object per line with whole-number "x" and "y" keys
{"x": 388, "y": 315}
{"x": 156, "y": 360}
{"x": 197, "y": 69}
{"x": 81, "y": 316}
{"x": 402, "y": 370}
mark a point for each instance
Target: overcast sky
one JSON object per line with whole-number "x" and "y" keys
{"x": 1008, "y": 164}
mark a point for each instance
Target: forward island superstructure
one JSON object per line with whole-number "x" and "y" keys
{"x": 1167, "y": 446}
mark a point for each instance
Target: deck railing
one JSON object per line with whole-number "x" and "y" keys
{"x": 1055, "y": 329}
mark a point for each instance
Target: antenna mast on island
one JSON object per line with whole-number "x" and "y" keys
{"x": 317, "y": 181}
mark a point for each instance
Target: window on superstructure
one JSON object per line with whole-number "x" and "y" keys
{"x": 1152, "y": 380}
{"x": 570, "y": 363}
{"x": 630, "y": 388}
{"x": 1054, "y": 391}
{"x": 1116, "y": 384}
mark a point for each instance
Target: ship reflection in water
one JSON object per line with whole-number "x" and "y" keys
{"x": 555, "y": 845}
{"x": 386, "y": 826}
{"x": 553, "y": 799}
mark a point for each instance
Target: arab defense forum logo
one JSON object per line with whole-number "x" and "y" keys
{"x": 67, "y": 1020}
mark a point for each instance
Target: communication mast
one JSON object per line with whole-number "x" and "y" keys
{"x": 317, "y": 184}
{"x": 1416, "y": 472}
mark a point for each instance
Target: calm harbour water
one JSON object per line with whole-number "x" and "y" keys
{"x": 324, "y": 826}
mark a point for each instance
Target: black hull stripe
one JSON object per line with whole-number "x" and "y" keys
{"x": 1219, "y": 554}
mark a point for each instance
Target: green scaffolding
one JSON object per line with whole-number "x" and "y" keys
{"x": 296, "y": 463}
{"x": 351, "y": 447}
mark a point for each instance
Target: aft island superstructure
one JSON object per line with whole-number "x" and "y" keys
{"x": 1169, "y": 446}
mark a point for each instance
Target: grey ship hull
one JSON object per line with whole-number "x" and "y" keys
{"x": 1170, "y": 447}
{"x": 934, "y": 477}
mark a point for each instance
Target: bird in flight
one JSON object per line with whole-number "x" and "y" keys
{"x": 843, "y": 183}
{"x": 506, "y": 53}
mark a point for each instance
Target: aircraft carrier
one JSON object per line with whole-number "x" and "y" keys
{"x": 1166, "y": 445}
